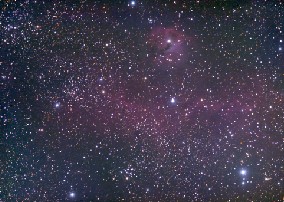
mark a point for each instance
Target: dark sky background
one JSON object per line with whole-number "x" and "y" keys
{"x": 141, "y": 100}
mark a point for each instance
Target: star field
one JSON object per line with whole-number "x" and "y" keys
{"x": 141, "y": 100}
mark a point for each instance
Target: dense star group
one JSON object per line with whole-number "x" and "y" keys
{"x": 141, "y": 100}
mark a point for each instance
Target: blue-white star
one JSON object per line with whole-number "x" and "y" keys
{"x": 57, "y": 104}
{"x": 72, "y": 195}
{"x": 243, "y": 172}
{"x": 133, "y": 3}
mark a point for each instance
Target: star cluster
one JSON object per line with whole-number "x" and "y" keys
{"x": 141, "y": 100}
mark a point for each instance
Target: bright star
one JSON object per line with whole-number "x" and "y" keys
{"x": 57, "y": 104}
{"x": 169, "y": 41}
{"x": 72, "y": 194}
{"x": 173, "y": 100}
{"x": 132, "y": 3}
{"x": 243, "y": 172}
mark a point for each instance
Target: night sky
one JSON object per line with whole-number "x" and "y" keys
{"x": 141, "y": 100}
